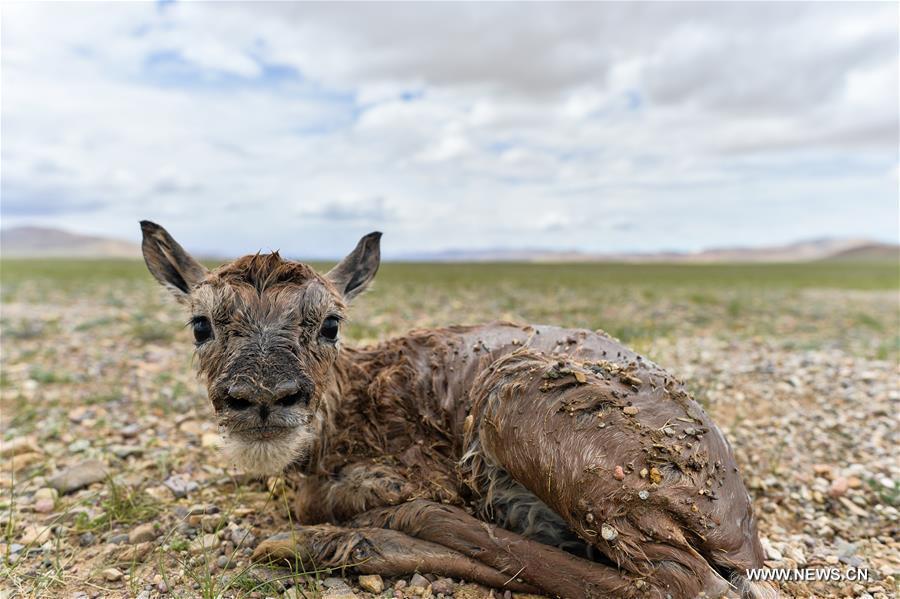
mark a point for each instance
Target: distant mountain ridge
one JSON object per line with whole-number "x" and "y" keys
{"x": 801, "y": 251}
{"x": 47, "y": 242}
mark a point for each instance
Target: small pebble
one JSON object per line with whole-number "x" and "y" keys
{"x": 79, "y": 476}
{"x": 608, "y": 532}
{"x": 443, "y": 586}
{"x": 371, "y": 583}
{"x": 204, "y": 544}
{"x": 180, "y": 486}
{"x": 141, "y": 534}
{"x": 112, "y": 574}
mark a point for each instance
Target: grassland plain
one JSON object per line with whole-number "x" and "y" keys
{"x": 798, "y": 363}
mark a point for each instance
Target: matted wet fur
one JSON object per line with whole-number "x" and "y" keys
{"x": 532, "y": 458}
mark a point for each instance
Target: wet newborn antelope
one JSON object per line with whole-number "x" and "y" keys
{"x": 523, "y": 457}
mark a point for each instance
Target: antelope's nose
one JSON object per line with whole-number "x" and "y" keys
{"x": 244, "y": 395}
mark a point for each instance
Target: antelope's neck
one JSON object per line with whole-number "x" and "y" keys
{"x": 396, "y": 400}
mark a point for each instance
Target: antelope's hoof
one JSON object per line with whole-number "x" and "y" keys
{"x": 283, "y": 547}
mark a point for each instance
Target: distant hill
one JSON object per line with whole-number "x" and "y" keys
{"x": 868, "y": 251}
{"x": 45, "y": 242}
{"x": 803, "y": 251}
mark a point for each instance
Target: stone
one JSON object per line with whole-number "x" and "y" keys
{"x": 46, "y": 493}
{"x": 79, "y": 476}
{"x": 22, "y": 461}
{"x": 125, "y": 451}
{"x": 419, "y": 585}
{"x": 211, "y": 440}
{"x": 619, "y": 473}
{"x": 796, "y": 554}
{"x": 191, "y": 427}
{"x": 771, "y": 552}
{"x": 118, "y": 539}
{"x": 180, "y": 486}
{"x": 86, "y": 539}
{"x": 631, "y": 410}
{"x": 608, "y": 532}
{"x": 130, "y": 430}
{"x": 839, "y": 487}
{"x": 472, "y": 591}
{"x": 371, "y": 583}
{"x": 80, "y": 414}
{"x": 35, "y": 535}
{"x": 18, "y": 445}
{"x": 199, "y": 509}
{"x": 242, "y": 538}
{"x": 212, "y": 522}
{"x": 79, "y": 446}
{"x": 444, "y": 586}
{"x": 112, "y": 574}
{"x": 141, "y": 534}
{"x": 204, "y": 544}
{"x": 332, "y": 582}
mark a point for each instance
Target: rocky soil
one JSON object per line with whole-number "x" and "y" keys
{"x": 112, "y": 485}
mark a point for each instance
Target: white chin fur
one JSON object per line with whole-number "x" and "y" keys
{"x": 266, "y": 457}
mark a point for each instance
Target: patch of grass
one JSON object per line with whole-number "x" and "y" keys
{"x": 102, "y": 398}
{"x": 25, "y": 329}
{"x": 48, "y": 377}
{"x": 888, "y": 349}
{"x": 735, "y": 308}
{"x": 121, "y": 506}
{"x": 148, "y": 330}
{"x": 887, "y": 495}
{"x": 94, "y": 323}
{"x": 868, "y": 321}
{"x": 703, "y": 299}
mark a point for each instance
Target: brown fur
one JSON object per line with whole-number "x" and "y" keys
{"x": 530, "y": 457}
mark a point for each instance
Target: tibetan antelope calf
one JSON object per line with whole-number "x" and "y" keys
{"x": 523, "y": 457}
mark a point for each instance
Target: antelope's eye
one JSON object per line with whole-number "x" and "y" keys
{"x": 202, "y": 329}
{"x": 330, "y": 328}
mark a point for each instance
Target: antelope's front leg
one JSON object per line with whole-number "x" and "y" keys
{"x": 375, "y": 551}
{"x": 356, "y": 488}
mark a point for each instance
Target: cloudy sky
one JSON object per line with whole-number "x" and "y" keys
{"x": 601, "y": 127}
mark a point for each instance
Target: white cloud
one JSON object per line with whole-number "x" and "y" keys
{"x": 302, "y": 125}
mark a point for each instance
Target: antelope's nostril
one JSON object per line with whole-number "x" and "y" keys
{"x": 237, "y": 404}
{"x": 290, "y": 400}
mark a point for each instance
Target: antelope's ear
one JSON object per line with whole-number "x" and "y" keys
{"x": 169, "y": 263}
{"x": 354, "y": 273}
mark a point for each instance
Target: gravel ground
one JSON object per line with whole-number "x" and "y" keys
{"x": 112, "y": 485}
